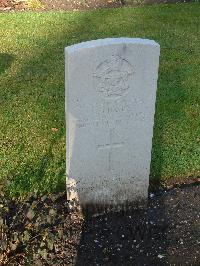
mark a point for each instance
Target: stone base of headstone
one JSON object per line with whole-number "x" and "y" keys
{"x": 98, "y": 209}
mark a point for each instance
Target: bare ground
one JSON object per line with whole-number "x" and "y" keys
{"x": 42, "y": 231}
{"x": 21, "y": 5}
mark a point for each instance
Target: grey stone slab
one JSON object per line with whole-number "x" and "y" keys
{"x": 110, "y": 104}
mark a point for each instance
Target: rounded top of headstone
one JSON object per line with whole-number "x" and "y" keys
{"x": 109, "y": 41}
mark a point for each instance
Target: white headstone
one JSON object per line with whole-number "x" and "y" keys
{"x": 110, "y": 103}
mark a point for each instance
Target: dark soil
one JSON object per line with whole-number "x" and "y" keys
{"x": 12, "y": 5}
{"x": 79, "y": 4}
{"x": 43, "y": 231}
{"x": 96, "y": 4}
{"x": 17, "y": 5}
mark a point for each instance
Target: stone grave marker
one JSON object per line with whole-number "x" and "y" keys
{"x": 110, "y": 103}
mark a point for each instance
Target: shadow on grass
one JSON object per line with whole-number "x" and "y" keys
{"x": 170, "y": 94}
{"x": 34, "y": 178}
{"x": 5, "y": 61}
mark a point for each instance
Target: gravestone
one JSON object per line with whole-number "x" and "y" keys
{"x": 110, "y": 103}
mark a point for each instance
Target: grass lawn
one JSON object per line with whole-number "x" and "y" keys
{"x": 32, "y": 135}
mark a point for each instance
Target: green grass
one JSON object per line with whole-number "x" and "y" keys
{"x": 32, "y": 135}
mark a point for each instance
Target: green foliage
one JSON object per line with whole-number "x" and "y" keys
{"x": 32, "y": 135}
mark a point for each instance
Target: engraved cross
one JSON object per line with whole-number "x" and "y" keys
{"x": 111, "y": 145}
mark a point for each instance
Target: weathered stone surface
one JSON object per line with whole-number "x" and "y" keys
{"x": 110, "y": 103}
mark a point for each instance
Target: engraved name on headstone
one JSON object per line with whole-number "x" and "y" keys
{"x": 110, "y": 103}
